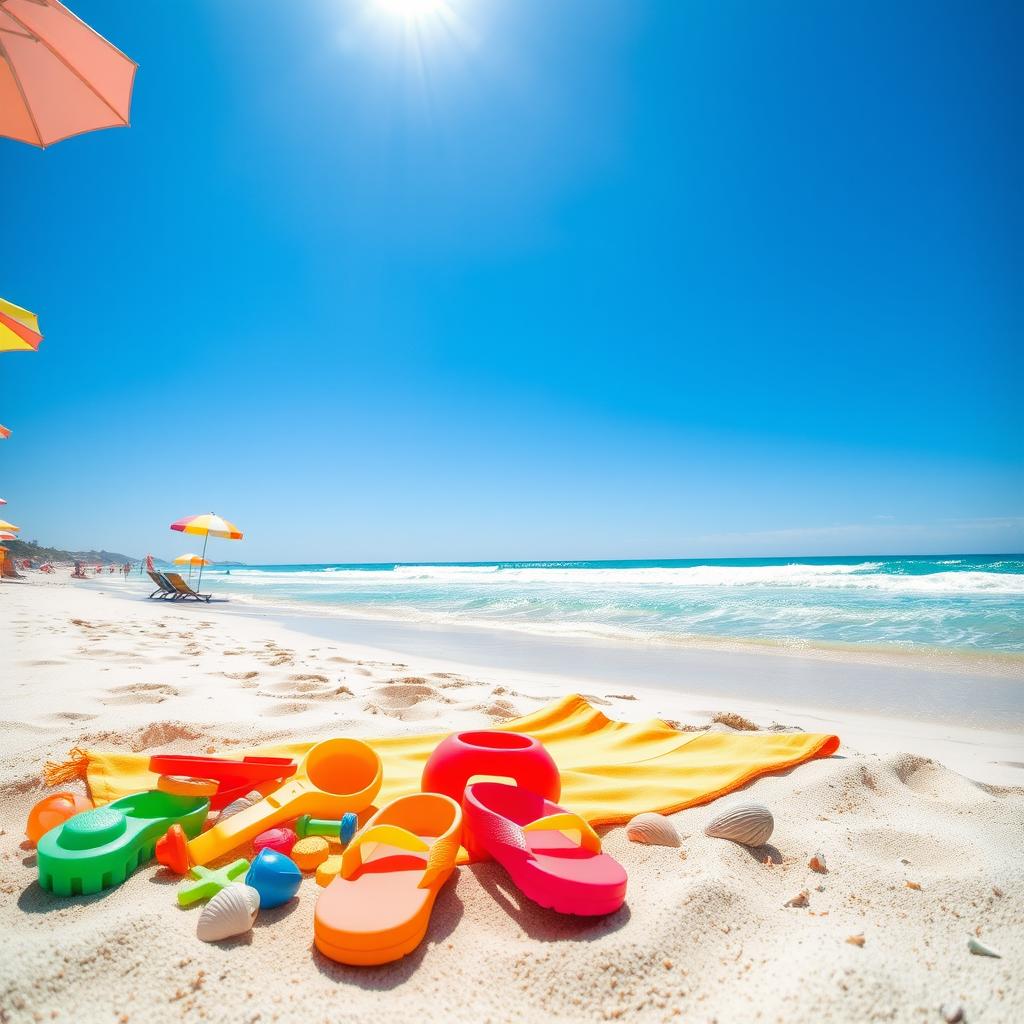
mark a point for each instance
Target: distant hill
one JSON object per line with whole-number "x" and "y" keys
{"x": 30, "y": 549}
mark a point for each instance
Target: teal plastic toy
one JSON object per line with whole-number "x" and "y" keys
{"x": 210, "y": 881}
{"x": 342, "y": 829}
{"x": 99, "y": 849}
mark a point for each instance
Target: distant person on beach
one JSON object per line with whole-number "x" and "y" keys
{"x": 79, "y": 573}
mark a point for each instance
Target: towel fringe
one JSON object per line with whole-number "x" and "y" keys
{"x": 54, "y": 773}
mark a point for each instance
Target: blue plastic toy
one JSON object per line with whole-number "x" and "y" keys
{"x": 275, "y": 877}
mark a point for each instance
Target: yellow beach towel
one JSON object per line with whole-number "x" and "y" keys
{"x": 610, "y": 770}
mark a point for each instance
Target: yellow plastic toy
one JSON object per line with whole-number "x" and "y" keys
{"x": 334, "y": 777}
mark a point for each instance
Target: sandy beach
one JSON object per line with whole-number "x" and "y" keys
{"x": 704, "y": 935}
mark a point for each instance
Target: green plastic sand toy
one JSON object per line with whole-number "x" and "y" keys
{"x": 99, "y": 849}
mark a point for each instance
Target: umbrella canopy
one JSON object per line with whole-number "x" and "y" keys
{"x": 19, "y": 329}
{"x": 207, "y": 525}
{"x": 190, "y": 560}
{"x": 58, "y": 78}
{"x": 6, "y": 526}
{"x": 3, "y": 501}
{"x": 4, "y": 432}
{"x": 7, "y": 535}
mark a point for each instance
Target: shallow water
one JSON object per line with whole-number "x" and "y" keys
{"x": 968, "y": 603}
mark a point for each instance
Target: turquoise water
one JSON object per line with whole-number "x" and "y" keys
{"x": 965, "y": 602}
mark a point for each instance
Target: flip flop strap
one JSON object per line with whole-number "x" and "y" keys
{"x": 392, "y": 835}
{"x": 566, "y": 821}
{"x": 441, "y": 853}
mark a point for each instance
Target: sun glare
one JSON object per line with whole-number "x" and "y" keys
{"x": 412, "y": 10}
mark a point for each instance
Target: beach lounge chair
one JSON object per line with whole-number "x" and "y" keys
{"x": 183, "y": 589}
{"x": 163, "y": 587}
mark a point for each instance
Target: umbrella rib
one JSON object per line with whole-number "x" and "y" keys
{"x": 17, "y": 81}
{"x": 74, "y": 71}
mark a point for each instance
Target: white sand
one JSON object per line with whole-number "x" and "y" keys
{"x": 704, "y": 936}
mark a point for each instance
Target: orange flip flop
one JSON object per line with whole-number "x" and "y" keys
{"x": 379, "y": 906}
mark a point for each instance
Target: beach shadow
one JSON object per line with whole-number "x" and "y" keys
{"x": 268, "y": 918}
{"x": 36, "y": 900}
{"x": 447, "y": 912}
{"x": 763, "y": 853}
{"x": 538, "y": 922}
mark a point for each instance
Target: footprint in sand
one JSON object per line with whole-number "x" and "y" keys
{"x": 305, "y": 687}
{"x": 291, "y": 707}
{"x": 140, "y": 693}
{"x": 400, "y": 697}
{"x": 70, "y": 716}
{"x": 240, "y": 675}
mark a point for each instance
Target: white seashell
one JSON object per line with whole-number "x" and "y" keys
{"x": 653, "y": 829}
{"x": 240, "y": 804}
{"x": 980, "y": 949}
{"x": 749, "y": 824}
{"x": 232, "y": 911}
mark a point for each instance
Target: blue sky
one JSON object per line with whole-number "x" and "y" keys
{"x": 529, "y": 280}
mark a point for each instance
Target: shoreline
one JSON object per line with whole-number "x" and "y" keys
{"x": 1003, "y": 664}
{"x": 787, "y": 688}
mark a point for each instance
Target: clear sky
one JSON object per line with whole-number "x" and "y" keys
{"x": 525, "y": 279}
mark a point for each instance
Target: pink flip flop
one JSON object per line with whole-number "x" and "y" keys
{"x": 530, "y": 837}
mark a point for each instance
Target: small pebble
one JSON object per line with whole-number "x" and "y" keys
{"x": 801, "y": 899}
{"x": 856, "y": 940}
{"x": 914, "y": 885}
{"x": 817, "y": 863}
{"x": 951, "y": 1013}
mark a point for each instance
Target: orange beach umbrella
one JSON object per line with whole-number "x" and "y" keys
{"x": 4, "y": 432}
{"x": 19, "y": 329}
{"x": 58, "y": 77}
{"x": 206, "y": 526}
{"x": 190, "y": 560}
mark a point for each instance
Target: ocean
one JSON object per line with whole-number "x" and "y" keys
{"x": 971, "y": 603}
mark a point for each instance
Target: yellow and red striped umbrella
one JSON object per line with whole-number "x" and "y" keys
{"x": 19, "y": 329}
{"x": 206, "y": 526}
{"x": 4, "y": 525}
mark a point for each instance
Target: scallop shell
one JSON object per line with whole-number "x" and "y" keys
{"x": 240, "y": 804}
{"x": 232, "y": 911}
{"x": 653, "y": 829}
{"x": 749, "y": 824}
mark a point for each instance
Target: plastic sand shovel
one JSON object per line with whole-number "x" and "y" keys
{"x": 99, "y": 849}
{"x": 530, "y": 837}
{"x": 233, "y": 778}
{"x": 335, "y": 776}
{"x": 379, "y": 906}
